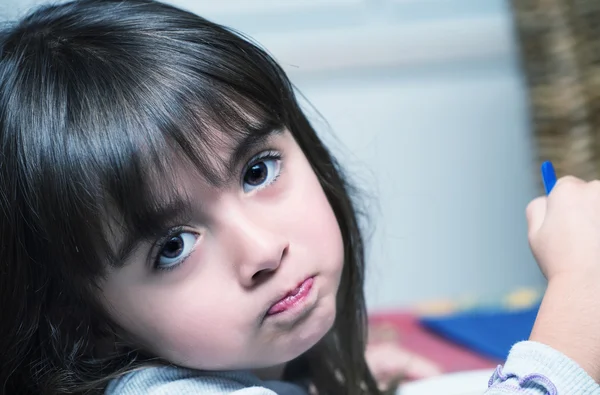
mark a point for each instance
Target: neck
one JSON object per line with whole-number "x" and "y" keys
{"x": 270, "y": 373}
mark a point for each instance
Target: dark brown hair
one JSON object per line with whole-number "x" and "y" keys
{"x": 96, "y": 97}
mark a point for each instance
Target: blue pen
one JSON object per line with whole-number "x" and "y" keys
{"x": 548, "y": 176}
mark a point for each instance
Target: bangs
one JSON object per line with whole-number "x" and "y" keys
{"x": 195, "y": 130}
{"x": 116, "y": 116}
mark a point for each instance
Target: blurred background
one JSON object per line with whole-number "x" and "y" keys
{"x": 424, "y": 103}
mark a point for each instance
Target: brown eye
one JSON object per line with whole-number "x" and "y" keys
{"x": 262, "y": 173}
{"x": 175, "y": 250}
{"x": 256, "y": 174}
{"x": 173, "y": 247}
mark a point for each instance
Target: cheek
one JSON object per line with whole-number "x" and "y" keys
{"x": 183, "y": 324}
{"x": 323, "y": 229}
{"x": 316, "y": 221}
{"x": 205, "y": 339}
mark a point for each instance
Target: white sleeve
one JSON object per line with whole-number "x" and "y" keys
{"x": 179, "y": 381}
{"x": 536, "y": 369}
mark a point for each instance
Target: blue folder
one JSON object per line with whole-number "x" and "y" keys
{"x": 490, "y": 333}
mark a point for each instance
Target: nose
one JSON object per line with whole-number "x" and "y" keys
{"x": 258, "y": 250}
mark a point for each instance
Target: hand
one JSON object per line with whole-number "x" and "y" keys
{"x": 564, "y": 230}
{"x": 564, "y": 235}
{"x": 390, "y": 363}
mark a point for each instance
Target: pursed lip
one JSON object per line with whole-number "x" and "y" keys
{"x": 283, "y": 294}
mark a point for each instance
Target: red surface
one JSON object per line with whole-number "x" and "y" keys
{"x": 413, "y": 337}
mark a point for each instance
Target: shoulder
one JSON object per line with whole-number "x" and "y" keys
{"x": 168, "y": 380}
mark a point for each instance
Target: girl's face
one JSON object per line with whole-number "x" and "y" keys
{"x": 249, "y": 278}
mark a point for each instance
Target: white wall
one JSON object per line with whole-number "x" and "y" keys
{"x": 428, "y": 103}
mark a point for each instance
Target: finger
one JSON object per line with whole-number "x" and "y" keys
{"x": 569, "y": 180}
{"x": 420, "y": 368}
{"x": 536, "y": 213}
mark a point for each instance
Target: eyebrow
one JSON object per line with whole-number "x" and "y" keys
{"x": 256, "y": 139}
{"x": 154, "y": 222}
{"x": 157, "y": 221}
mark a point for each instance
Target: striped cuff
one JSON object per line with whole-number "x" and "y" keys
{"x": 536, "y": 369}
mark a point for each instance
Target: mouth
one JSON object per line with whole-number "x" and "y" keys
{"x": 293, "y": 298}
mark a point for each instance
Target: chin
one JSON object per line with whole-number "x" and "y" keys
{"x": 313, "y": 330}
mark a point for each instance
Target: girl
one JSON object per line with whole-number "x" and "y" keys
{"x": 172, "y": 224}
